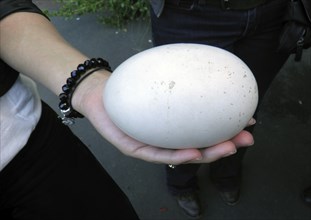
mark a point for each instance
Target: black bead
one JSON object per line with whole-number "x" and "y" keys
{"x": 66, "y": 88}
{"x": 102, "y": 62}
{"x": 94, "y": 62}
{"x": 87, "y": 64}
{"x": 81, "y": 68}
{"x": 63, "y": 105}
{"x": 70, "y": 82}
{"x": 63, "y": 97}
{"x": 80, "y": 72}
{"x": 75, "y": 74}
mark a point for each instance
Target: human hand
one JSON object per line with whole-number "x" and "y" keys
{"x": 90, "y": 104}
{"x": 87, "y": 98}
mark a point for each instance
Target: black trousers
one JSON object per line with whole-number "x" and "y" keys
{"x": 252, "y": 35}
{"x": 56, "y": 177}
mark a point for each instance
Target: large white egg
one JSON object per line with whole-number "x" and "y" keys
{"x": 181, "y": 96}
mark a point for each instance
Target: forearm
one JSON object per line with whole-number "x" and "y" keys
{"x": 32, "y": 45}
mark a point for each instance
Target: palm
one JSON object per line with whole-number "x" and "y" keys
{"x": 98, "y": 117}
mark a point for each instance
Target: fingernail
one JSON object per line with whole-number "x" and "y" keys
{"x": 252, "y": 121}
{"x": 231, "y": 153}
{"x": 252, "y": 143}
{"x": 199, "y": 158}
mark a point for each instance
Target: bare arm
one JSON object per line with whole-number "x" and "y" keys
{"x": 32, "y": 45}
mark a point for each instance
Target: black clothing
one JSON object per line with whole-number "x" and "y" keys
{"x": 56, "y": 177}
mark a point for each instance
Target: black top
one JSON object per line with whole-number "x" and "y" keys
{"x": 7, "y": 74}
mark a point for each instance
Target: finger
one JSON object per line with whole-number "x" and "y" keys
{"x": 251, "y": 122}
{"x": 166, "y": 156}
{"x": 243, "y": 139}
{"x": 216, "y": 152}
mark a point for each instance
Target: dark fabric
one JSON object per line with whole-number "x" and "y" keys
{"x": 56, "y": 177}
{"x": 229, "y": 4}
{"x": 250, "y": 34}
{"x": 307, "y": 6}
{"x": 10, "y": 6}
{"x": 7, "y": 77}
{"x": 7, "y": 74}
{"x": 296, "y": 34}
{"x": 157, "y": 5}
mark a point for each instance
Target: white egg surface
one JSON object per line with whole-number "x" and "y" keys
{"x": 181, "y": 96}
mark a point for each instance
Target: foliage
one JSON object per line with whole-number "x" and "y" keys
{"x": 113, "y": 12}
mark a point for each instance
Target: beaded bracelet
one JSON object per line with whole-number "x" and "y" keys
{"x": 76, "y": 77}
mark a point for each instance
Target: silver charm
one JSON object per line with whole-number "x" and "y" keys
{"x": 67, "y": 121}
{"x": 171, "y": 166}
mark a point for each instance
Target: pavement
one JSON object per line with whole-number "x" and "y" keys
{"x": 276, "y": 169}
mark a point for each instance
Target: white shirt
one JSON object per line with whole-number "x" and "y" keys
{"x": 20, "y": 111}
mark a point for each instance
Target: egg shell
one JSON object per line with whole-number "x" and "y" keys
{"x": 181, "y": 96}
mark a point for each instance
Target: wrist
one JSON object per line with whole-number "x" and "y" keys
{"x": 89, "y": 92}
{"x": 68, "y": 107}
